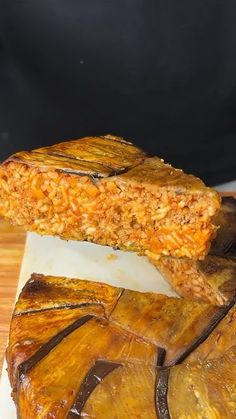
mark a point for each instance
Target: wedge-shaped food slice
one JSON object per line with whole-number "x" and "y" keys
{"x": 106, "y": 190}
{"x": 214, "y": 278}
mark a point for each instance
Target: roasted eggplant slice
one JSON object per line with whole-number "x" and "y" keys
{"x": 204, "y": 390}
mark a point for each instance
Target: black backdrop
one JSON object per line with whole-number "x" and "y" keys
{"x": 159, "y": 72}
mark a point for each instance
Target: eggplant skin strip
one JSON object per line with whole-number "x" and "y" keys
{"x": 161, "y": 393}
{"x": 98, "y": 357}
{"x": 108, "y": 191}
{"x": 96, "y": 374}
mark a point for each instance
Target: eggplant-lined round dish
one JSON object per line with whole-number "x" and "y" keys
{"x": 85, "y": 349}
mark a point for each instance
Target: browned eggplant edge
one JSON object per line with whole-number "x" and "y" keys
{"x": 92, "y": 174}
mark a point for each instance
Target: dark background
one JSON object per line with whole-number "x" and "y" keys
{"x": 161, "y": 73}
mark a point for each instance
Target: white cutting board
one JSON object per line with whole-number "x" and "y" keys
{"x": 53, "y": 256}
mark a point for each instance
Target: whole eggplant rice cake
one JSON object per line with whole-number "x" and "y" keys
{"x": 85, "y": 349}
